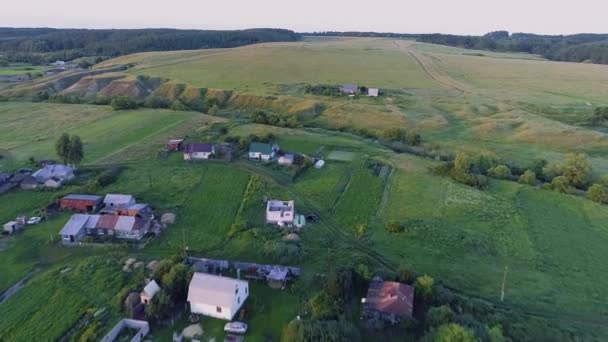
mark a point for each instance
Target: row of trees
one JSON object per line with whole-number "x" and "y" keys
{"x": 573, "y": 48}
{"x": 39, "y": 46}
{"x": 264, "y": 118}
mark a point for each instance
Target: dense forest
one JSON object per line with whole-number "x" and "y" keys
{"x": 361, "y": 34}
{"x": 43, "y": 45}
{"x": 590, "y": 48}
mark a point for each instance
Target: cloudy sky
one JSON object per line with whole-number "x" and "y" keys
{"x": 446, "y": 16}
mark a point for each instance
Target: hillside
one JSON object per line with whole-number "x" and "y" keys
{"x": 500, "y": 108}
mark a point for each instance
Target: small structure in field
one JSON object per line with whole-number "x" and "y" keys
{"x": 149, "y": 292}
{"x": 142, "y": 328}
{"x": 319, "y": 164}
{"x": 388, "y": 300}
{"x": 53, "y": 183}
{"x": 174, "y": 145}
{"x": 373, "y": 92}
{"x": 286, "y": 159}
{"x": 12, "y": 227}
{"x": 349, "y": 89}
{"x": 262, "y": 151}
{"x": 198, "y": 151}
{"x": 167, "y": 218}
{"x": 281, "y": 213}
{"x": 277, "y": 278}
{"x": 81, "y": 203}
{"x": 216, "y": 296}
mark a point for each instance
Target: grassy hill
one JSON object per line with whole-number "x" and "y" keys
{"x": 514, "y": 107}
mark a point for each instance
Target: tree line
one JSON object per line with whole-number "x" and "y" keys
{"x": 571, "y": 48}
{"x": 40, "y": 46}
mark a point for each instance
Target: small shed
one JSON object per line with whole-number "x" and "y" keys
{"x": 349, "y": 89}
{"x": 28, "y": 182}
{"x": 118, "y": 200}
{"x": 149, "y": 292}
{"x": 286, "y": 159}
{"x": 319, "y": 164}
{"x": 277, "y": 278}
{"x": 199, "y": 151}
{"x": 373, "y": 92}
{"x": 175, "y": 144}
{"x": 12, "y": 227}
{"x": 54, "y": 183}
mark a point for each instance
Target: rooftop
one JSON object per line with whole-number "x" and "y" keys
{"x": 80, "y": 197}
{"x": 212, "y": 289}
{"x": 199, "y": 147}
{"x": 151, "y": 288}
{"x": 263, "y": 148}
{"x": 118, "y": 198}
{"x": 390, "y": 297}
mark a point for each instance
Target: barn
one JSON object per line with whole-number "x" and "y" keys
{"x": 81, "y": 203}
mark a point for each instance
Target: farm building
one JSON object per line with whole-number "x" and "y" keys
{"x": 141, "y": 210}
{"x": 28, "y": 182}
{"x": 121, "y": 227}
{"x": 388, "y": 300}
{"x": 81, "y": 203}
{"x": 118, "y": 200}
{"x": 175, "y": 144}
{"x": 349, "y": 89}
{"x": 149, "y": 292}
{"x": 373, "y": 92}
{"x": 262, "y": 151}
{"x": 198, "y": 151}
{"x": 12, "y": 227}
{"x": 280, "y": 212}
{"x": 286, "y": 159}
{"x": 62, "y": 172}
{"x": 216, "y": 296}
{"x": 53, "y": 183}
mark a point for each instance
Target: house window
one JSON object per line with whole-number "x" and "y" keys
{"x": 218, "y": 309}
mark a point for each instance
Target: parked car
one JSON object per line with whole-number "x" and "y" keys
{"x": 236, "y": 327}
{"x": 34, "y": 220}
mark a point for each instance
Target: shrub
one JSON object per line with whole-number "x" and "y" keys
{"x": 560, "y": 184}
{"x": 123, "y": 103}
{"x": 156, "y": 102}
{"x": 360, "y": 230}
{"x": 598, "y": 193}
{"x": 500, "y": 171}
{"x": 214, "y": 110}
{"x": 451, "y": 332}
{"x": 438, "y": 315}
{"x": 178, "y": 105}
{"x": 528, "y": 177}
{"x": 395, "y": 227}
{"x": 424, "y": 285}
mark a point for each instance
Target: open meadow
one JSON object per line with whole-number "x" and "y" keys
{"x": 515, "y": 108}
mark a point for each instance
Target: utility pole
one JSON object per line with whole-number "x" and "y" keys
{"x": 504, "y": 280}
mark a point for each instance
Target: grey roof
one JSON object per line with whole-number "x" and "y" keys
{"x": 262, "y": 148}
{"x": 118, "y": 199}
{"x": 199, "y": 147}
{"x": 151, "y": 288}
{"x": 350, "y": 87}
{"x": 56, "y": 170}
{"x": 75, "y": 224}
{"x": 213, "y": 290}
{"x": 80, "y": 197}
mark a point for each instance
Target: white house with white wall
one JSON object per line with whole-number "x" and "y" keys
{"x": 280, "y": 212}
{"x": 216, "y": 296}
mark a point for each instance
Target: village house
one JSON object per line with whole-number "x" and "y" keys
{"x": 199, "y": 151}
{"x": 388, "y": 300}
{"x": 28, "y": 182}
{"x": 349, "y": 89}
{"x": 280, "y": 213}
{"x": 174, "y": 144}
{"x": 53, "y": 176}
{"x": 262, "y": 151}
{"x": 81, "y": 203}
{"x": 120, "y": 227}
{"x": 216, "y": 296}
{"x": 148, "y": 292}
{"x": 286, "y": 159}
{"x": 373, "y": 92}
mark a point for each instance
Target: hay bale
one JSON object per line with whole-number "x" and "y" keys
{"x": 291, "y": 237}
{"x": 167, "y": 218}
{"x": 153, "y": 265}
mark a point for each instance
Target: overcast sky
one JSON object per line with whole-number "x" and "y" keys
{"x": 446, "y": 16}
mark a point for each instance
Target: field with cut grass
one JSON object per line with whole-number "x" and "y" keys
{"x": 513, "y": 107}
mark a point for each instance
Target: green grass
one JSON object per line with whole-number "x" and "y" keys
{"x": 262, "y": 66}
{"x": 21, "y": 69}
{"x": 30, "y": 130}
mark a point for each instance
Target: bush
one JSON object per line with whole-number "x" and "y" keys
{"x": 156, "y": 102}
{"x": 598, "y": 193}
{"x": 451, "y": 332}
{"x": 424, "y": 285}
{"x": 406, "y": 136}
{"x": 178, "y": 105}
{"x": 528, "y": 177}
{"x": 438, "y": 315}
{"x": 560, "y": 184}
{"x": 123, "y": 103}
{"x": 41, "y": 96}
{"x": 500, "y": 171}
{"x": 395, "y": 227}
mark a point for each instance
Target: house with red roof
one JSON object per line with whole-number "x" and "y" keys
{"x": 388, "y": 300}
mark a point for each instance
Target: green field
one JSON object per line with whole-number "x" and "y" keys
{"x": 514, "y": 107}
